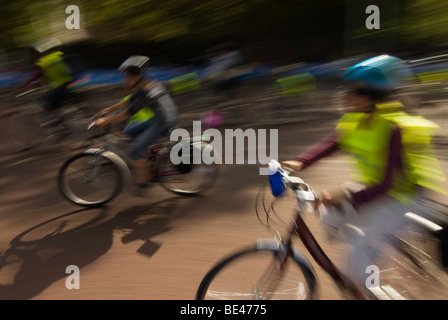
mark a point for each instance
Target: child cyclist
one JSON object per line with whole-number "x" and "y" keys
{"x": 149, "y": 111}
{"x": 393, "y": 155}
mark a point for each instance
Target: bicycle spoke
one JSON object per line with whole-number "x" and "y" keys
{"x": 409, "y": 265}
{"x": 258, "y": 275}
{"x": 89, "y": 180}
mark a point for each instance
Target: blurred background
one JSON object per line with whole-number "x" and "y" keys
{"x": 238, "y": 56}
{"x": 185, "y": 32}
{"x": 291, "y": 48}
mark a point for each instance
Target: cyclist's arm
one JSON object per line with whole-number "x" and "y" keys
{"x": 321, "y": 149}
{"x": 133, "y": 105}
{"x": 119, "y": 117}
{"x": 394, "y": 162}
{"x": 36, "y": 73}
{"x": 116, "y": 107}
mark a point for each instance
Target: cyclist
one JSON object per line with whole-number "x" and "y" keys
{"x": 50, "y": 67}
{"x": 221, "y": 73}
{"x": 393, "y": 155}
{"x": 149, "y": 112}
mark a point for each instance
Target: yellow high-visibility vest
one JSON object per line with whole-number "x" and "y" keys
{"x": 142, "y": 115}
{"x": 55, "y": 71}
{"x": 367, "y": 140}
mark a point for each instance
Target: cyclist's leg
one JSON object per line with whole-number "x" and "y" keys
{"x": 335, "y": 217}
{"x": 133, "y": 129}
{"x": 149, "y": 134}
{"x": 361, "y": 228}
{"x": 56, "y": 98}
{"x": 52, "y": 101}
{"x": 373, "y": 222}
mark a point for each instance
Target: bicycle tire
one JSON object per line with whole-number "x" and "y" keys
{"x": 244, "y": 275}
{"x": 410, "y": 265}
{"x": 20, "y": 133}
{"x": 104, "y": 173}
{"x": 197, "y": 180}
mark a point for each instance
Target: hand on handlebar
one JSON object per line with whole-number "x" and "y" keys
{"x": 100, "y": 122}
{"x": 332, "y": 198}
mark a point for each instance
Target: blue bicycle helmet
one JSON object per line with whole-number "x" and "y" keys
{"x": 383, "y": 72}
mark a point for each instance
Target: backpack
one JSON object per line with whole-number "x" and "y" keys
{"x": 164, "y": 107}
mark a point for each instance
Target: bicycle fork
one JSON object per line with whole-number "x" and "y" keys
{"x": 102, "y": 156}
{"x": 97, "y": 162}
{"x": 276, "y": 271}
{"x": 271, "y": 277}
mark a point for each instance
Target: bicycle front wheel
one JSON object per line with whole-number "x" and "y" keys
{"x": 410, "y": 265}
{"x": 257, "y": 274}
{"x": 89, "y": 180}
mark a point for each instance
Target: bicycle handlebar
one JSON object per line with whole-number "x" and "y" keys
{"x": 92, "y": 119}
{"x": 27, "y": 92}
{"x": 280, "y": 178}
{"x": 95, "y": 117}
{"x": 91, "y": 125}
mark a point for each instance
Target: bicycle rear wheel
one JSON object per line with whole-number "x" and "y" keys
{"x": 257, "y": 274}
{"x": 89, "y": 180}
{"x": 191, "y": 181}
{"x": 410, "y": 265}
{"x": 20, "y": 132}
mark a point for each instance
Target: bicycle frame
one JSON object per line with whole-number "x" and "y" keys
{"x": 35, "y": 108}
{"x": 301, "y": 229}
{"x": 273, "y": 274}
{"x": 318, "y": 254}
{"x": 44, "y": 121}
{"x": 153, "y": 154}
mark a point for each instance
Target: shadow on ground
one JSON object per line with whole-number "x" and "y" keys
{"x": 40, "y": 255}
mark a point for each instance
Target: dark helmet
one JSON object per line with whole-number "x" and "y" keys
{"x": 46, "y": 45}
{"x": 135, "y": 64}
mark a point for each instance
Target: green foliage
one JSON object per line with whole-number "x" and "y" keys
{"x": 306, "y": 24}
{"x": 425, "y": 21}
